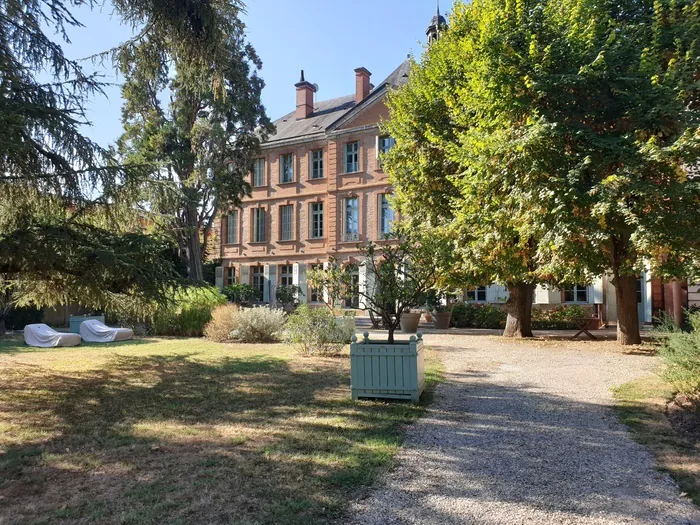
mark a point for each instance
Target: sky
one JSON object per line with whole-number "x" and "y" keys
{"x": 328, "y": 39}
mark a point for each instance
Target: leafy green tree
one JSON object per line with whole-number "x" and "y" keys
{"x": 553, "y": 141}
{"x": 197, "y": 125}
{"x": 69, "y": 227}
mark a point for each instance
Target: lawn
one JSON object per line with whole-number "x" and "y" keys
{"x": 186, "y": 431}
{"x": 642, "y": 404}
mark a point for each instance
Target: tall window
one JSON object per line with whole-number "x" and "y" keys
{"x": 259, "y": 173}
{"x": 317, "y": 164}
{"x": 259, "y": 225}
{"x": 257, "y": 280}
{"x": 286, "y": 168}
{"x": 386, "y": 215}
{"x": 352, "y": 157}
{"x": 575, "y": 293}
{"x": 286, "y": 222}
{"x": 286, "y": 275}
{"x": 315, "y": 296}
{"x": 477, "y": 295}
{"x": 353, "y": 298}
{"x": 384, "y": 145}
{"x": 317, "y": 220}
{"x": 352, "y": 219}
{"x": 230, "y": 276}
{"x": 232, "y": 228}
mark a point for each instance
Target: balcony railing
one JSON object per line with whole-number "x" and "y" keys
{"x": 351, "y": 236}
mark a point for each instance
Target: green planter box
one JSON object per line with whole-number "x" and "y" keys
{"x": 77, "y": 320}
{"x": 381, "y": 370}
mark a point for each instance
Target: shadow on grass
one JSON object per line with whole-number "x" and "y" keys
{"x": 170, "y": 439}
{"x": 14, "y": 344}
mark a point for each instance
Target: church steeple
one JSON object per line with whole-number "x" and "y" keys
{"x": 437, "y": 25}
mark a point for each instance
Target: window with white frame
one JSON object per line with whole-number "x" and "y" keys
{"x": 257, "y": 279}
{"x": 259, "y": 173}
{"x": 287, "y": 222}
{"x": 317, "y": 164}
{"x": 352, "y": 157}
{"x": 352, "y": 300}
{"x": 232, "y": 228}
{"x": 386, "y": 215}
{"x": 352, "y": 219}
{"x": 477, "y": 295}
{"x": 230, "y": 276}
{"x": 259, "y": 225}
{"x": 286, "y": 275}
{"x": 286, "y": 168}
{"x": 575, "y": 293}
{"x": 384, "y": 144}
{"x": 317, "y": 220}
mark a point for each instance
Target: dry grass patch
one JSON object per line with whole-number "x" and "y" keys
{"x": 642, "y": 405}
{"x": 186, "y": 431}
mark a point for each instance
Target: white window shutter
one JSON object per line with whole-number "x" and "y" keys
{"x": 542, "y": 294}
{"x": 245, "y": 274}
{"x": 266, "y": 284}
{"x": 299, "y": 279}
{"x": 363, "y": 285}
{"x": 273, "y": 284}
{"x": 492, "y": 294}
{"x": 326, "y": 298}
{"x": 595, "y": 291}
{"x": 219, "y": 277}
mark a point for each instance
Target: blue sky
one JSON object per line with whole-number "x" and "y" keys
{"x": 328, "y": 39}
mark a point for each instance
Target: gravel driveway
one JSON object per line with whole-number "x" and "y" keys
{"x": 523, "y": 433}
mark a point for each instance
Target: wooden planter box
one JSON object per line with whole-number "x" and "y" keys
{"x": 77, "y": 320}
{"x": 381, "y": 370}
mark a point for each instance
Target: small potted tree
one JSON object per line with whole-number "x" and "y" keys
{"x": 438, "y": 304}
{"x": 397, "y": 279}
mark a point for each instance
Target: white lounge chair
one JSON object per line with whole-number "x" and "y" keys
{"x": 93, "y": 331}
{"x": 43, "y": 336}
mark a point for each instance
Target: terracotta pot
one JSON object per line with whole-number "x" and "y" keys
{"x": 428, "y": 317}
{"x": 441, "y": 320}
{"x": 410, "y": 322}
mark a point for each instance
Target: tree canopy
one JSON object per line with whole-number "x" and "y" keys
{"x": 553, "y": 141}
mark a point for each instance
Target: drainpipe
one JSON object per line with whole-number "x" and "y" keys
{"x": 677, "y": 288}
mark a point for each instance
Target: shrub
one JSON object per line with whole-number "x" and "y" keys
{"x": 559, "y": 318}
{"x": 473, "y": 315}
{"x": 20, "y": 317}
{"x": 288, "y": 296}
{"x": 188, "y": 313}
{"x": 681, "y": 353}
{"x": 315, "y": 331}
{"x": 222, "y": 323}
{"x": 242, "y": 294}
{"x": 258, "y": 325}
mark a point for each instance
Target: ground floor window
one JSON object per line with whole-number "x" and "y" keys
{"x": 576, "y": 293}
{"x": 286, "y": 275}
{"x": 477, "y": 295}
{"x": 353, "y": 298}
{"x": 230, "y": 276}
{"x": 315, "y": 296}
{"x": 257, "y": 280}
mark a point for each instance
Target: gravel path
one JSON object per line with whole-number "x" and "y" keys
{"x": 523, "y": 433}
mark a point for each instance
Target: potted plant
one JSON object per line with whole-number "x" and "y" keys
{"x": 410, "y": 321}
{"x": 440, "y": 309}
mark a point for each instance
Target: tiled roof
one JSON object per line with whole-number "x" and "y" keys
{"x": 328, "y": 111}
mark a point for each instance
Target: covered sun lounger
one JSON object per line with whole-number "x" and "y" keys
{"x": 93, "y": 331}
{"x": 43, "y": 336}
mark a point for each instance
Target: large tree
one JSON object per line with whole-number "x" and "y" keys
{"x": 197, "y": 124}
{"x": 559, "y": 136}
{"x": 63, "y": 198}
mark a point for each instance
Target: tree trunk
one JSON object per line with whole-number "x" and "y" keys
{"x": 627, "y": 313}
{"x": 3, "y": 330}
{"x": 195, "y": 268}
{"x": 519, "y": 308}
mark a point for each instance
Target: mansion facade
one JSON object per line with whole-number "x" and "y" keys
{"x": 318, "y": 190}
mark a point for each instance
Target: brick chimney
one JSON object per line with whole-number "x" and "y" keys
{"x": 305, "y": 98}
{"x": 362, "y": 85}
